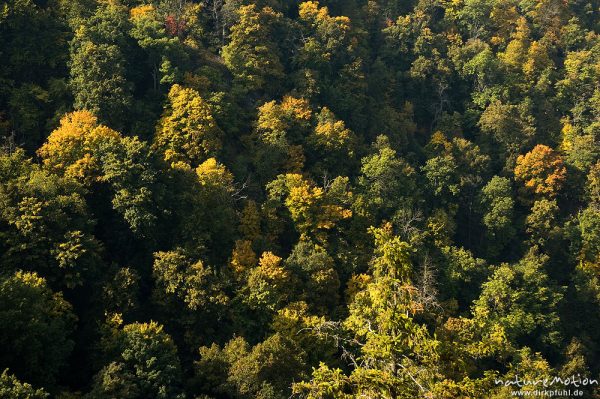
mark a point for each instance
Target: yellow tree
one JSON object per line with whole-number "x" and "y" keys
{"x": 187, "y": 131}
{"x": 542, "y": 171}
{"x": 279, "y": 132}
{"x": 71, "y": 149}
{"x": 313, "y": 209}
{"x": 95, "y": 154}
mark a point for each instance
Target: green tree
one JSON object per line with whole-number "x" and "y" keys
{"x": 12, "y": 388}
{"x": 319, "y": 280}
{"x": 524, "y": 301}
{"x": 144, "y": 364}
{"x": 395, "y": 356}
{"x": 258, "y": 372}
{"x": 279, "y": 132}
{"x": 99, "y": 156}
{"x": 496, "y": 200}
{"x": 195, "y": 284}
{"x": 47, "y": 226}
{"x": 252, "y": 54}
{"x": 386, "y": 181}
{"x": 163, "y": 52}
{"x": 35, "y": 328}
{"x": 98, "y": 80}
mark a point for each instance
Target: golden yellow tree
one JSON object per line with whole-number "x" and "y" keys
{"x": 72, "y": 148}
{"x": 187, "y": 131}
{"x": 541, "y": 170}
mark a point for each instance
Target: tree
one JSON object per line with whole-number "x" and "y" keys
{"x": 319, "y": 280}
{"x": 541, "y": 223}
{"x": 32, "y": 46}
{"x": 330, "y": 68}
{"x": 498, "y": 212}
{"x": 252, "y": 55}
{"x": 97, "y": 155}
{"x": 509, "y": 126}
{"x": 163, "y": 52}
{"x": 195, "y": 284}
{"x": 542, "y": 171}
{"x": 334, "y": 145}
{"x": 280, "y": 131}
{"x": 589, "y": 225}
{"x": 46, "y": 224}
{"x": 69, "y": 148}
{"x": 144, "y": 365}
{"x": 312, "y": 209}
{"x": 98, "y": 81}
{"x": 12, "y": 388}
{"x": 35, "y": 328}
{"x": 385, "y": 181}
{"x": 269, "y": 285}
{"x": 523, "y": 301}
{"x": 258, "y": 372}
{"x": 463, "y": 274}
{"x": 392, "y": 356}
{"x": 455, "y": 173}
{"x": 187, "y": 131}
{"x": 98, "y": 64}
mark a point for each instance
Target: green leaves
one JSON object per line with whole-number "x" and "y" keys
{"x": 12, "y": 388}
{"x": 35, "y": 328}
{"x": 146, "y": 365}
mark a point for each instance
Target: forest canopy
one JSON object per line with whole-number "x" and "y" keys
{"x": 340, "y": 199}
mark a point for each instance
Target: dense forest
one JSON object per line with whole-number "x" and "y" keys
{"x": 321, "y": 199}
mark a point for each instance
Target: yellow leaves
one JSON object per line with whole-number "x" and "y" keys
{"x": 541, "y": 170}
{"x": 575, "y": 62}
{"x": 331, "y": 214}
{"x": 475, "y": 338}
{"x": 31, "y": 211}
{"x": 211, "y": 173}
{"x": 243, "y": 257}
{"x": 516, "y": 50}
{"x": 30, "y": 278}
{"x": 356, "y": 284}
{"x": 270, "y": 264}
{"x": 114, "y": 321}
{"x": 537, "y": 59}
{"x": 302, "y": 199}
{"x": 141, "y": 11}
{"x": 275, "y": 120}
{"x": 310, "y": 10}
{"x": 268, "y": 120}
{"x": 568, "y": 135}
{"x": 295, "y": 318}
{"x": 70, "y": 148}
{"x": 439, "y": 144}
{"x": 269, "y": 284}
{"x": 146, "y": 330}
{"x": 392, "y": 255}
{"x": 298, "y": 107}
{"x": 330, "y": 133}
{"x": 187, "y": 131}
{"x": 312, "y": 208}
